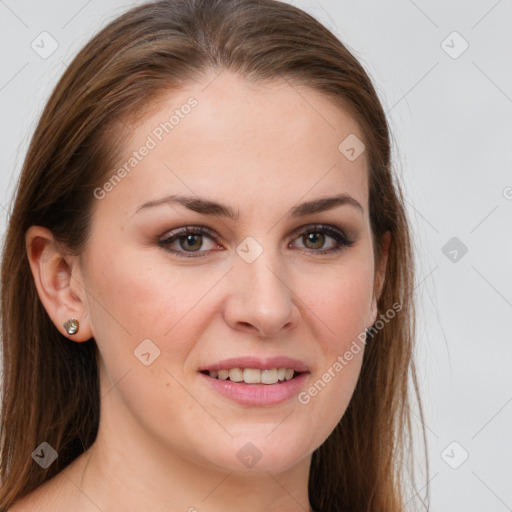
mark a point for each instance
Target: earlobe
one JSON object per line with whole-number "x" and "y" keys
{"x": 57, "y": 287}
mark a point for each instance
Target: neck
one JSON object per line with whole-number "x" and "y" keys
{"x": 117, "y": 472}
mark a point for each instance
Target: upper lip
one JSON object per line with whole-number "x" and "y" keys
{"x": 256, "y": 362}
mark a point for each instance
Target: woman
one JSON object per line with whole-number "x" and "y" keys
{"x": 207, "y": 276}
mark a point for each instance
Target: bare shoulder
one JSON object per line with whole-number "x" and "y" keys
{"x": 46, "y": 498}
{"x": 35, "y": 500}
{"x": 29, "y": 503}
{"x": 58, "y": 494}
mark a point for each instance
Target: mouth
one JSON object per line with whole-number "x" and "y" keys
{"x": 268, "y": 376}
{"x": 256, "y": 387}
{"x": 257, "y": 381}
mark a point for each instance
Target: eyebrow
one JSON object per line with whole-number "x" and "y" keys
{"x": 208, "y": 207}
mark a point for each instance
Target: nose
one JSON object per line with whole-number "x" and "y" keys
{"x": 260, "y": 299}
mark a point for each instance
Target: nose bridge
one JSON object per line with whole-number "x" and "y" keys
{"x": 266, "y": 279}
{"x": 260, "y": 295}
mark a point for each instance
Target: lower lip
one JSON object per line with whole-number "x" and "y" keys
{"x": 257, "y": 395}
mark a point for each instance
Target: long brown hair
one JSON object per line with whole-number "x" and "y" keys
{"x": 50, "y": 385}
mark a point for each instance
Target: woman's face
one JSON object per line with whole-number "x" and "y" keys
{"x": 257, "y": 279}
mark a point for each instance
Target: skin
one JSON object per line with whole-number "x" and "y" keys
{"x": 166, "y": 440}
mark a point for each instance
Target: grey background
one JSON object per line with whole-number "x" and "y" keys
{"x": 451, "y": 121}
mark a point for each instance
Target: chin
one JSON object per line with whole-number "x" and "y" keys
{"x": 273, "y": 451}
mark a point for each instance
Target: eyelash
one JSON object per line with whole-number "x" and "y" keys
{"x": 334, "y": 233}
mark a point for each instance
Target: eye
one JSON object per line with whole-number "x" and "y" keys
{"x": 314, "y": 237}
{"x": 188, "y": 241}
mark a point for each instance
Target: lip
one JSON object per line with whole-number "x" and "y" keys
{"x": 255, "y": 362}
{"x": 257, "y": 395}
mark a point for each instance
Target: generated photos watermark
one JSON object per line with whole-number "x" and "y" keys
{"x": 341, "y": 361}
{"x": 156, "y": 136}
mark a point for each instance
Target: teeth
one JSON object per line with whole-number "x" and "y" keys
{"x": 269, "y": 376}
{"x": 254, "y": 375}
{"x": 236, "y": 375}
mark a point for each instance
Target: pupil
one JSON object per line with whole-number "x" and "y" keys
{"x": 190, "y": 238}
{"x": 314, "y": 237}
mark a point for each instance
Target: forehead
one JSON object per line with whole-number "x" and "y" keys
{"x": 242, "y": 143}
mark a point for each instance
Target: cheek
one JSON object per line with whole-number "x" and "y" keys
{"x": 342, "y": 300}
{"x": 141, "y": 296}
{"x": 149, "y": 296}
{"x": 340, "y": 309}
{"x": 139, "y": 299}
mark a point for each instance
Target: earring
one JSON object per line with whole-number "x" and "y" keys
{"x": 71, "y": 326}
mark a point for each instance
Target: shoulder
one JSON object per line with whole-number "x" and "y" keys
{"x": 55, "y": 495}
{"x": 46, "y": 498}
{"x": 32, "y": 502}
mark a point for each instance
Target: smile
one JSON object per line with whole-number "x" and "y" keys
{"x": 256, "y": 394}
{"x": 254, "y": 375}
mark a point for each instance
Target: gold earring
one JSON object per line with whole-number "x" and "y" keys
{"x": 71, "y": 326}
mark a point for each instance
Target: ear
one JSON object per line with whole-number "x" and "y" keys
{"x": 380, "y": 274}
{"x": 57, "y": 280}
